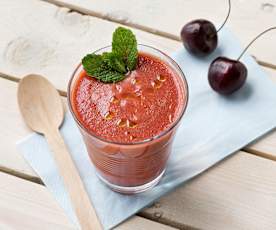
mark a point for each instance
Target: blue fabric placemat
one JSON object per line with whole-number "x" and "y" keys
{"x": 213, "y": 127}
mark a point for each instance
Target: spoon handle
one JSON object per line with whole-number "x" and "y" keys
{"x": 82, "y": 205}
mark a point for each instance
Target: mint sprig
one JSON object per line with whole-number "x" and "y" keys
{"x": 96, "y": 66}
{"x": 115, "y": 62}
{"x": 112, "y": 66}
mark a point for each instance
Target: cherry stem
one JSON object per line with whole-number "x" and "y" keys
{"x": 259, "y": 35}
{"x": 228, "y": 14}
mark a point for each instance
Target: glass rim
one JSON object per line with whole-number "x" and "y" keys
{"x": 161, "y": 134}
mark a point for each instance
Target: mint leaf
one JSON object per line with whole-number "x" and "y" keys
{"x": 115, "y": 62}
{"x": 124, "y": 44}
{"x": 96, "y": 66}
{"x": 109, "y": 76}
{"x": 91, "y": 63}
{"x": 112, "y": 66}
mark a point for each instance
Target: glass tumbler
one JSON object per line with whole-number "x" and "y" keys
{"x": 137, "y": 166}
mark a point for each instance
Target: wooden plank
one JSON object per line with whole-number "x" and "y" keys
{"x": 236, "y": 194}
{"x": 25, "y": 205}
{"x": 168, "y": 17}
{"x": 228, "y": 189}
{"x": 265, "y": 146}
{"x": 12, "y": 130}
{"x": 55, "y": 46}
{"x": 139, "y": 223}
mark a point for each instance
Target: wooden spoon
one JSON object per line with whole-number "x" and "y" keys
{"x": 42, "y": 109}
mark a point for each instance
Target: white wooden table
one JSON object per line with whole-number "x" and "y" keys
{"x": 50, "y": 37}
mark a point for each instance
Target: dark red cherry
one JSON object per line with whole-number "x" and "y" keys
{"x": 199, "y": 37}
{"x": 226, "y": 75}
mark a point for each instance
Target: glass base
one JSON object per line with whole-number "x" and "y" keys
{"x": 134, "y": 189}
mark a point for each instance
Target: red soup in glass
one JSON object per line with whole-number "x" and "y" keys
{"x": 129, "y": 126}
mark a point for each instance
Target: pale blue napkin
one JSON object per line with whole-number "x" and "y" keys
{"x": 213, "y": 127}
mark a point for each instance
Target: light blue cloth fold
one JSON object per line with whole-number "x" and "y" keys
{"x": 213, "y": 127}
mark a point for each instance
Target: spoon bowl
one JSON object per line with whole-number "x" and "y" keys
{"x": 40, "y": 103}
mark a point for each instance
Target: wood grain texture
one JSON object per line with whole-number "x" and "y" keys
{"x": 211, "y": 194}
{"x": 13, "y": 129}
{"x": 247, "y": 19}
{"x": 236, "y": 194}
{"x": 25, "y": 205}
{"x": 139, "y": 223}
{"x": 48, "y": 40}
{"x": 265, "y": 146}
{"x": 10, "y": 117}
